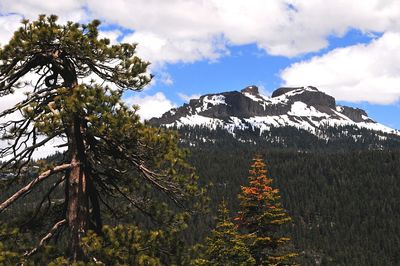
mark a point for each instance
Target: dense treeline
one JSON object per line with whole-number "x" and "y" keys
{"x": 343, "y": 138}
{"x": 344, "y": 204}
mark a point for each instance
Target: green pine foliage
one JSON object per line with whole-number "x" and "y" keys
{"x": 114, "y": 166}
{"x": 225, "y": 246}
{"x": 8, "y": 256}
{"x": 129, "y": 245}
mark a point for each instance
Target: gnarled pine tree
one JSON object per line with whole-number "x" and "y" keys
{"x": 109, "y": 152}
{"x": 262, "y": 216}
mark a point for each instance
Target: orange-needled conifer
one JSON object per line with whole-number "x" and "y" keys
{"x": 262, "y": 217}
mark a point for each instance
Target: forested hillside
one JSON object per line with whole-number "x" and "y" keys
{"x": 344, "y": 204}
{"x": 343, "y": 138}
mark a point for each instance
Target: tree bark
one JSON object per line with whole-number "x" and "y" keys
{"x": 77, "y": 210}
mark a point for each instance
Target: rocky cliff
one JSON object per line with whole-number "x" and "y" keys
{"x": 301, "y": 107}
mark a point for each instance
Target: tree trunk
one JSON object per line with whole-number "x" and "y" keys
{"x": 77, "y": 211}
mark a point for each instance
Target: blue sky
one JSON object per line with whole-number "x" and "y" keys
{"x": 347, "y": 48}
{"x": 248, "y": 65}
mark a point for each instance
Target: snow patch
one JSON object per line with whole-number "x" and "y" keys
{"x": 302, "y": 109}
{"x": 257, "y": 98}
{"x": 210, "y": 100}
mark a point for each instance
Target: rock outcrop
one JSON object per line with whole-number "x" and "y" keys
{"x": 301, "y": 107}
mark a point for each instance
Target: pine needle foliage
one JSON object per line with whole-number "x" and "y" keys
{"x": 226, "y": 246}
{"x": 74, "y": 82}
{"x": 262, "y": 217}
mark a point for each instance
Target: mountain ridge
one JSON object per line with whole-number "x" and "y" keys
{"x": 300, "y": 107}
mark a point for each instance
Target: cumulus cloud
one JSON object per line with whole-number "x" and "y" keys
{"x": 112, "y": 35}
{"x": 187, "y": 98}
{"x": 166, "y": 78}
{"x": 189, "y": 30}
{"x": 151, "y": 105}
{"x": 186, "y": 31}
{"x": 363, "y": 72}
{"x": 12, "y": 12}
{"x": 263, "y": 91}
{"x": 8, "y": 24}
{"x": 72, "y": 10}
{"x": 178, "y": 30}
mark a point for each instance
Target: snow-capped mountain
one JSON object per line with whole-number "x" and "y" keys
{"x": 301, "y": 107}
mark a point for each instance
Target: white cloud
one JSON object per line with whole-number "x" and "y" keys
{"x": 13, "y": 11}
{"x": 151, "y": 105}
{"x": 179, "y": 30}
{"x": 8, "y": 24}
{"x": 159, "y": 49}
{"x": 67, "y": 10}
{"x": 264, "y": 91}
{"x": 166, "y": 78}
{"x": 363, "y": 72}
{"x": 187, "y": 98}
{"x": 112, "y": 35}
{"x": 190, "y": 30}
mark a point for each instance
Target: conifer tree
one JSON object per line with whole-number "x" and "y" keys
{"x": 262, "y": 216}
{"x": 8, "y": 257}
{"x": 74, "y": 82}
{"x": 225, "y": 246}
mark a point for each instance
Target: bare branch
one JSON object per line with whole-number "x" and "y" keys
{"x": 37, "y": 180}
{"x": 29, "y": 149}
{"x": 47, "y": 237}
{"x": 32, "y": 98}
{"x": 47, "y": 196}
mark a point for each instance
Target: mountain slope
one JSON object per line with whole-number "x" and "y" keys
{"x": 304, "y": 108}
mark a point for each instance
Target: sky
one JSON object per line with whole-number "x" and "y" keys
{"x": 349, "y": 49}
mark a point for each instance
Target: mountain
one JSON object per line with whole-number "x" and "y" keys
{"x": 331, "y": 163}
{"x": 302, "y": 108}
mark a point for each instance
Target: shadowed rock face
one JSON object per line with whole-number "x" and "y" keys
{"x": 280, "y": 91}
{"x": 310, "y": 96}
{"x": 355, "y": 114}
{"x": 251, "y": 89}
{"x": 249, "y": 103}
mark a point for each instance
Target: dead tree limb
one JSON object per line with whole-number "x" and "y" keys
{"x": 47, "y": 237}
{"x": 34, "y": 182}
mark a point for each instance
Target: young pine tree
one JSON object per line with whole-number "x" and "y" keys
{"x": 262, "y": 217}
{"x": 225, "y": 246}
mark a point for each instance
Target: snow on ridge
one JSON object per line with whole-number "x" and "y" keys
{"x": 257, "y": 98}
{"x": 310, "y": 88}
{"x": 264, "y": 123}
{"x": 301, "y": 116}
{"x": 197, "y": 120}
{"x": 378, "y": 127}
{"x": 339, "y": 108}
{"x": 208, "y": 100}
{"x": 214, "y": 99}
{"x": 302, "y": 109}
